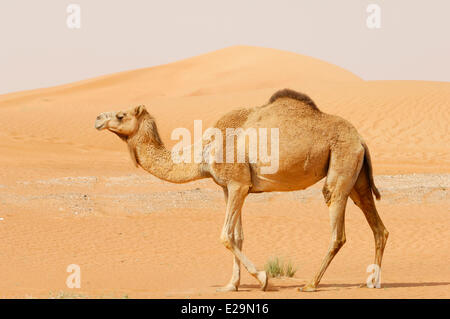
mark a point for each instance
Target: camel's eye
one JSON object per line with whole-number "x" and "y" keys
{"x": 120, "y": 116}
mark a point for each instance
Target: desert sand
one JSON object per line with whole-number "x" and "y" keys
{"x": 71, "y": 195}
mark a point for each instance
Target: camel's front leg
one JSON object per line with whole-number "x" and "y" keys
{"x": 238, "y": 239}
{"x": 236, "y": 197}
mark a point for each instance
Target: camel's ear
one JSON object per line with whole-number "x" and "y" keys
{"x": 138, "y": 110}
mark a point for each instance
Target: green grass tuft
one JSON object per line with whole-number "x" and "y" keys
{"x": 275, "y": 267}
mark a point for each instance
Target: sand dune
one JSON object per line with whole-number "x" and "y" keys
{"x": 53, "y": 164}
{"x": 404, "y": 122}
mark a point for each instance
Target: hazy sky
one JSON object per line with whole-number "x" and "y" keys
{"x": 37, "y": 49}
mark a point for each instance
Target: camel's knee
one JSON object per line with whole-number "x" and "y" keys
{"x": 227, "y": 241}
{"x": 385, "y": 234}
{"x": 381, "y": 238}
{"x": 337, "y": 244}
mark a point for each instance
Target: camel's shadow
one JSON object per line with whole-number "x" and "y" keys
{"x": 251, "y": 287}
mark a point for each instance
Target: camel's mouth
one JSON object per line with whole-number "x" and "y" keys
{"x": 100, "y": 126}
{"x": 102, "y": 120}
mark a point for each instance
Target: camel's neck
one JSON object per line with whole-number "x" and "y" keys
{"x": 152, "y": 156}
{"x": 158, "y": 162}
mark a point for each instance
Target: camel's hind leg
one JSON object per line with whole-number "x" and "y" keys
{"x": 341, "y": 177}
{"x": 363, "y": 198}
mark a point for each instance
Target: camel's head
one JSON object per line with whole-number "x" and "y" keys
{"x": 123, "y": 123}
{"x": 133, "y": 126}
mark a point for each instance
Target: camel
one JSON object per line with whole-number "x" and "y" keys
{"x": 312, "y": 145}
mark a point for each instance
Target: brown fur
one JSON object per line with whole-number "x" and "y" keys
{"x": 291, "y": 94}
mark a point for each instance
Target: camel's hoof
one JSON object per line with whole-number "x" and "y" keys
{"x": 365, "y": 286}
{"x": 262, "y": 277}
{"x": 307, "y": 288}
{"x": 373, "y": 286}
{"x": 229, "y": 287}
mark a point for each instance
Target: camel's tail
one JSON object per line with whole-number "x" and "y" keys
{"x": 368, "y": 161}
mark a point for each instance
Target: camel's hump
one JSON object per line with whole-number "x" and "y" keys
{"x": 293, "y": 95}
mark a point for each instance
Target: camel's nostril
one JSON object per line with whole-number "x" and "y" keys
{"x": 99, "y": 117}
